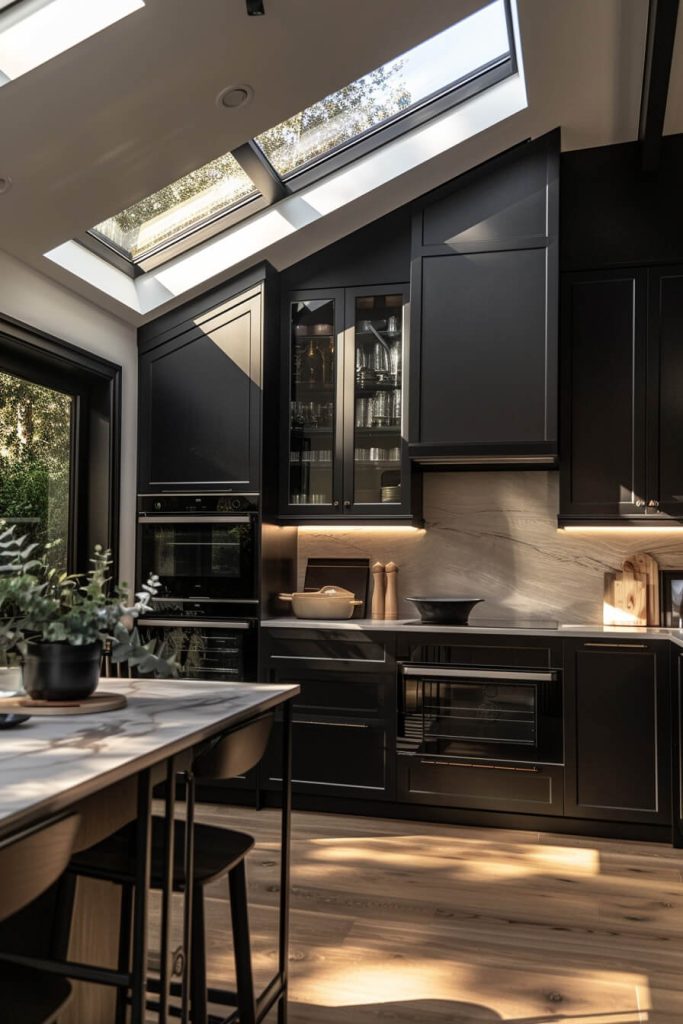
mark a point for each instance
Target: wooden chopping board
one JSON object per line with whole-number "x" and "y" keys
{"x": 632, "y": 596}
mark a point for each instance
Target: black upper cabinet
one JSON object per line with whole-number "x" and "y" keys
{"x": 618, "y": 732}
{"x": 200, "y": 397}
{"x": 622, "y": 378}
{"x": 484, "y": 314}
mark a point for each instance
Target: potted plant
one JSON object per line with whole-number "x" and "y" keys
{"x": 60, "y": 622}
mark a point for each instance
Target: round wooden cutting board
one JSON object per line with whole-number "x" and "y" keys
{"x": 94, "y": 705}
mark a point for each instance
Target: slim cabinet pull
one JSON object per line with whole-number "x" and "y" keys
{"x": 335, "y": 725}
{"x": 488, "y": 767}
{"x": 633, "y": 647}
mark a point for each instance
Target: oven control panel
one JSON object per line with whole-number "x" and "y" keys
{"x": 196, "y": 504}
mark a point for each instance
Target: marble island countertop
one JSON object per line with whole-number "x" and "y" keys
{"x": 47, "y": 764}
{"x": 413, "y": 626}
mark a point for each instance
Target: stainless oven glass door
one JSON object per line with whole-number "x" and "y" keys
{"x": 199, "y": 556}
{"x": 487, "y": 713}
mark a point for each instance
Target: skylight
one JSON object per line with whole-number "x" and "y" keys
{"x": 437, "y": 65}
{"x": 179, "y": 207}
{"x": 32, "y": 32}
{"x": 425, "y": 81}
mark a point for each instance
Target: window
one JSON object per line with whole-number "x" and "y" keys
{"x": 390, "y": 91}
{"x": 432, "y": 77}
{"x": 34, "y": 31}
{"x": 179, "y": 207}
{"x": 36, "y": 460}
{"x": 59, "y": 443}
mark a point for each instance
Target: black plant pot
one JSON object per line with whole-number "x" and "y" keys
{"x": 61, "y": 671}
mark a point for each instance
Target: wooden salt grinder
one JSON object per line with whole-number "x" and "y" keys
{"x": 391, "y": 603}
{"x": 378, "y": 585}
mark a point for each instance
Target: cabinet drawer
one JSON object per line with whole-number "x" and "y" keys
{"x": 506, "y": 652}
{"x": 347, "y": 758}
{"x": 513, "y": 788}
{"x": 362, "y": 693}
{"x": 325, "y": 646}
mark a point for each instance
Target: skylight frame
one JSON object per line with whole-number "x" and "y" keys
{"x": 273, "y": 186}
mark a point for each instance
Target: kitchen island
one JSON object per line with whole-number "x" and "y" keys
{"x": 53, "y": 765}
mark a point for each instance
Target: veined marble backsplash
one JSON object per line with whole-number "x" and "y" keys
{"x": 494, "y": 535}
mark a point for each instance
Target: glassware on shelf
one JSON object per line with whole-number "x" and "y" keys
{"x": 395, "y": 408}
{"x": 381, "y": 409}
{"x": 312, "y": 365}
{"x": 395, "y": 361}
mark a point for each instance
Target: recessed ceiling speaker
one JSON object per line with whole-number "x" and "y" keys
{"x": 234, "y": 96}
{"x": 255, "y": 7}
{"x": 5, "y": 184}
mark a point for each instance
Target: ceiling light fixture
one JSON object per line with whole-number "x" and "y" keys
{"x": 5, "y": 184}
{"x": 255, "y": 7}
{"x": 234, "y": 96}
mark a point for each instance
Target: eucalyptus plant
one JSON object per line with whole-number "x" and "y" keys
{"x": 47, "y": 605}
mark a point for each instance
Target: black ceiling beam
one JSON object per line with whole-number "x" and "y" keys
{"x": 661, "y": 32}
{"x": 254, "y": 163}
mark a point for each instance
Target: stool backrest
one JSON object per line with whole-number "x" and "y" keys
{"x": 32, "y": 861}
{"x": 235, "y": 753}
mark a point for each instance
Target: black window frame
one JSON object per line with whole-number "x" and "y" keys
{"x": 274, "y": 186}
{"x": 95, "y": 384}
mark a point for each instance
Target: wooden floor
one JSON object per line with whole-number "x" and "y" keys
{"x": 408, "y": 923}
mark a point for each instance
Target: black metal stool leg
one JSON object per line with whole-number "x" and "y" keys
{"x": 125, "y": 931}
{"x": 239, "y": 914}
{"x": 198, "y": 1004}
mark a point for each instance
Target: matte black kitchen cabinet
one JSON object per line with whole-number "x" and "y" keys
{"x": 618, "y": 731}
{"x": 484, "y": 296}
{"x": 200, "y": 393}
{"x": 343, "y": 720}
{"x": 343, "y": 451}
{"x": 622, "y": 382}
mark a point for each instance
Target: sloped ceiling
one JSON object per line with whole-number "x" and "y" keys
{"x": 134, "y": 107}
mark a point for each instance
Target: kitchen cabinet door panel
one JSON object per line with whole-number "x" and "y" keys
{"x": 665, "y": 375}
{"x": 618, "y": 734}
{"x": 483, "y": 363}
{"x": 200, "y": 403}
{"x": 603, "y": 413}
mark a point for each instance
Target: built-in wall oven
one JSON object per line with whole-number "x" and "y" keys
{"x": 452, "y": 712}
{"x": 204, "y": 548}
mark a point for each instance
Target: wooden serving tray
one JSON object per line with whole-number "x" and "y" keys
{"x": 90, "y": 706}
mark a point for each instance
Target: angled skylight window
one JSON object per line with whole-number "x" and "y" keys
{"x": 34, "y": 31}
{"x": 178, "y": 208}
{"x": 434, "y": 67}
{"x": 427, "y": 80}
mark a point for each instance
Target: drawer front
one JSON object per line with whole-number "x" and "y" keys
{"x": 339, "y": 693}
{"x": 327, "y": 647}
{"x": 484, "y": 651}
{"x": 338, "y": 758}
{"x": 509, "y": 788}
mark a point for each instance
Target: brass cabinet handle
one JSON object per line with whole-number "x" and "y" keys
{"x": 490, "y": 767}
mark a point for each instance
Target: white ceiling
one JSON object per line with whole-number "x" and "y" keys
{"x": 133, "y": 108}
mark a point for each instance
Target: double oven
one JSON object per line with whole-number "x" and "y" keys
{"x": 204, "y": 548}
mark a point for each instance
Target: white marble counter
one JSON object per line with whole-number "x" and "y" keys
{"x": 48, "y": 764}
{"x": 411, "y": 626}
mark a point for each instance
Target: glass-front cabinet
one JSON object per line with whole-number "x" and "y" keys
{"x": 345, "y": 431}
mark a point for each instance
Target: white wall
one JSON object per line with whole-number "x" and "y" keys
{"x": 39, "y": 302}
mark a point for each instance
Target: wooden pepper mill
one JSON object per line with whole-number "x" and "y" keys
{"x": 391, "y": 600}
{"x": 378, "y": 586}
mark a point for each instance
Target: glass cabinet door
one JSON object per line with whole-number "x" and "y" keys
{"x": 312, "y": 404}
{"x": 377, "y": 326}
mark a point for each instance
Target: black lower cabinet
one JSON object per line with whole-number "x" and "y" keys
{"x": 343, "y": 720}
{"x": 618, "y": 731}
{"x": 522, "y": 789}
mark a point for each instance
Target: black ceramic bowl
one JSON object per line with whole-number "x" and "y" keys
{"x": 445, "y": 611}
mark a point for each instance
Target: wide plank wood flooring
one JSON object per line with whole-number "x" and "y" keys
{"x": 410, "y": 923}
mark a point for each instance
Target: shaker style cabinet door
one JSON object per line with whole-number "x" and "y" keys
{"x": 603, "y": 370}
{"x": 200, "y": 402}
{"x": 618, "y": 732}
{"x": 665, "y": 398}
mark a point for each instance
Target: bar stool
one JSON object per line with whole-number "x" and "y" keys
{"x": 217, "y": 852}
{"x": 29, "y": 864}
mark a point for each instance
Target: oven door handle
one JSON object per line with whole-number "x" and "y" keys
{"x": 433, "y": 672}
{"x": 193, "y": 623}
{"x": 172, "y": 520}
